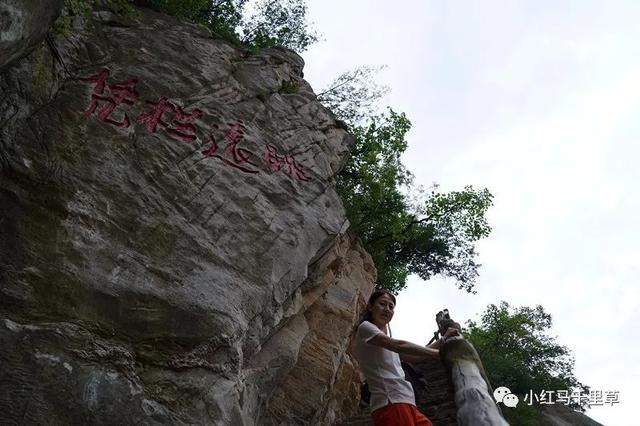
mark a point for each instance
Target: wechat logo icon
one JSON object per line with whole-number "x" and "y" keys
{"x": 504, "y": 395}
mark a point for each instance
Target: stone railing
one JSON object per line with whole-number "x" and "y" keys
{"x": 472, "y": 390}
{"x": 453, "y": 390}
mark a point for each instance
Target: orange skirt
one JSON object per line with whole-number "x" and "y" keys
{"x": 399, "y": 414}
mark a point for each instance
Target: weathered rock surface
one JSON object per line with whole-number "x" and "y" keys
{"x": 326, "y": 373}
{"x": 172, "y": 249}
{"x": 23, "y": 24}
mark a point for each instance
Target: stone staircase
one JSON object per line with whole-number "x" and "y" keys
{"x": 434, "y": 395}
{"x": 434, "y": 391}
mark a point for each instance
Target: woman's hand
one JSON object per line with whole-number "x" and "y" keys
{"x": 449, "y": 333}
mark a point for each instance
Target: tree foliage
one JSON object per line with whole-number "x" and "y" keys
{"x": 405, "y": 230}
{"x": 274, "y": 22}
{"x": 279, "y": 23}
{"x": 353, "y": 95}
{"x": 518, "y": 352}
{"x": 222, "y": 17}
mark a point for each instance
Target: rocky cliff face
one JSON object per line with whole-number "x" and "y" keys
{"x": 172, "y": 249}
{"x": 23, "y": 25}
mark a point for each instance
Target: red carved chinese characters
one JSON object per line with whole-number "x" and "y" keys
{"x": 295, "y": 169}
{"x": 239, "y": 156}
{"x": 275, "y": 162}
{"x": 181, "y": 124}
{"x": 272, "y": 158}
{"x": 211, "y": 151}
{"x": 123, "y": 92}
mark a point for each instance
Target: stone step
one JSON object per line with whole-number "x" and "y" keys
{"x": 363, "y": 420}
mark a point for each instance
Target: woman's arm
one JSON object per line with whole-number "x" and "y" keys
{"x": 404, "y": 348}
{"x": 435, "y": 345}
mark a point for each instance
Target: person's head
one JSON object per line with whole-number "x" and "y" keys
{"x": 380, "y": 307}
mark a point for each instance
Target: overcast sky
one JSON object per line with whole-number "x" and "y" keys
{"x": 538, "y": 101}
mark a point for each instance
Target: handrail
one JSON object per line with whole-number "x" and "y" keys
{"x": 474, "y": 402}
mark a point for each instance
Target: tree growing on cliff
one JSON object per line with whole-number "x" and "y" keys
{"x": 353, "y": 96}
{"x": 274, "y": 22}
{"x": 221, "y": 17}
{"x": 279, "y": 23}
{"x": 406, "y": 230}
{"x": 518, "y": 352}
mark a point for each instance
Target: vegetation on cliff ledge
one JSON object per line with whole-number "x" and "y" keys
{"x": 406, "y": 229}
{"x": 271, "y": 23}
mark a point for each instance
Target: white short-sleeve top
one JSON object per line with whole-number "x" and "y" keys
{"x": 382, "y": 369}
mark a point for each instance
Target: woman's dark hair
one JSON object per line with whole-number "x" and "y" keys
{"x": 374, "y": 296}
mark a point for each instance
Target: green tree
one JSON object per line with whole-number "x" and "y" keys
{"x": 408, "y": 231}
{"x": 405, "y": 229}
{"x": 221, "y": 17}
{"x": 518, "y": 352}
{"x": 274, "y": 23}
{"x": 353, "y": 95}
{"x": 279, "y": 23}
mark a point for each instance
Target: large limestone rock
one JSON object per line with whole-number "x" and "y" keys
{"x": 23, "y": 24}
{"x": 172, "y": 248}
{"x": 324, "y": 385}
